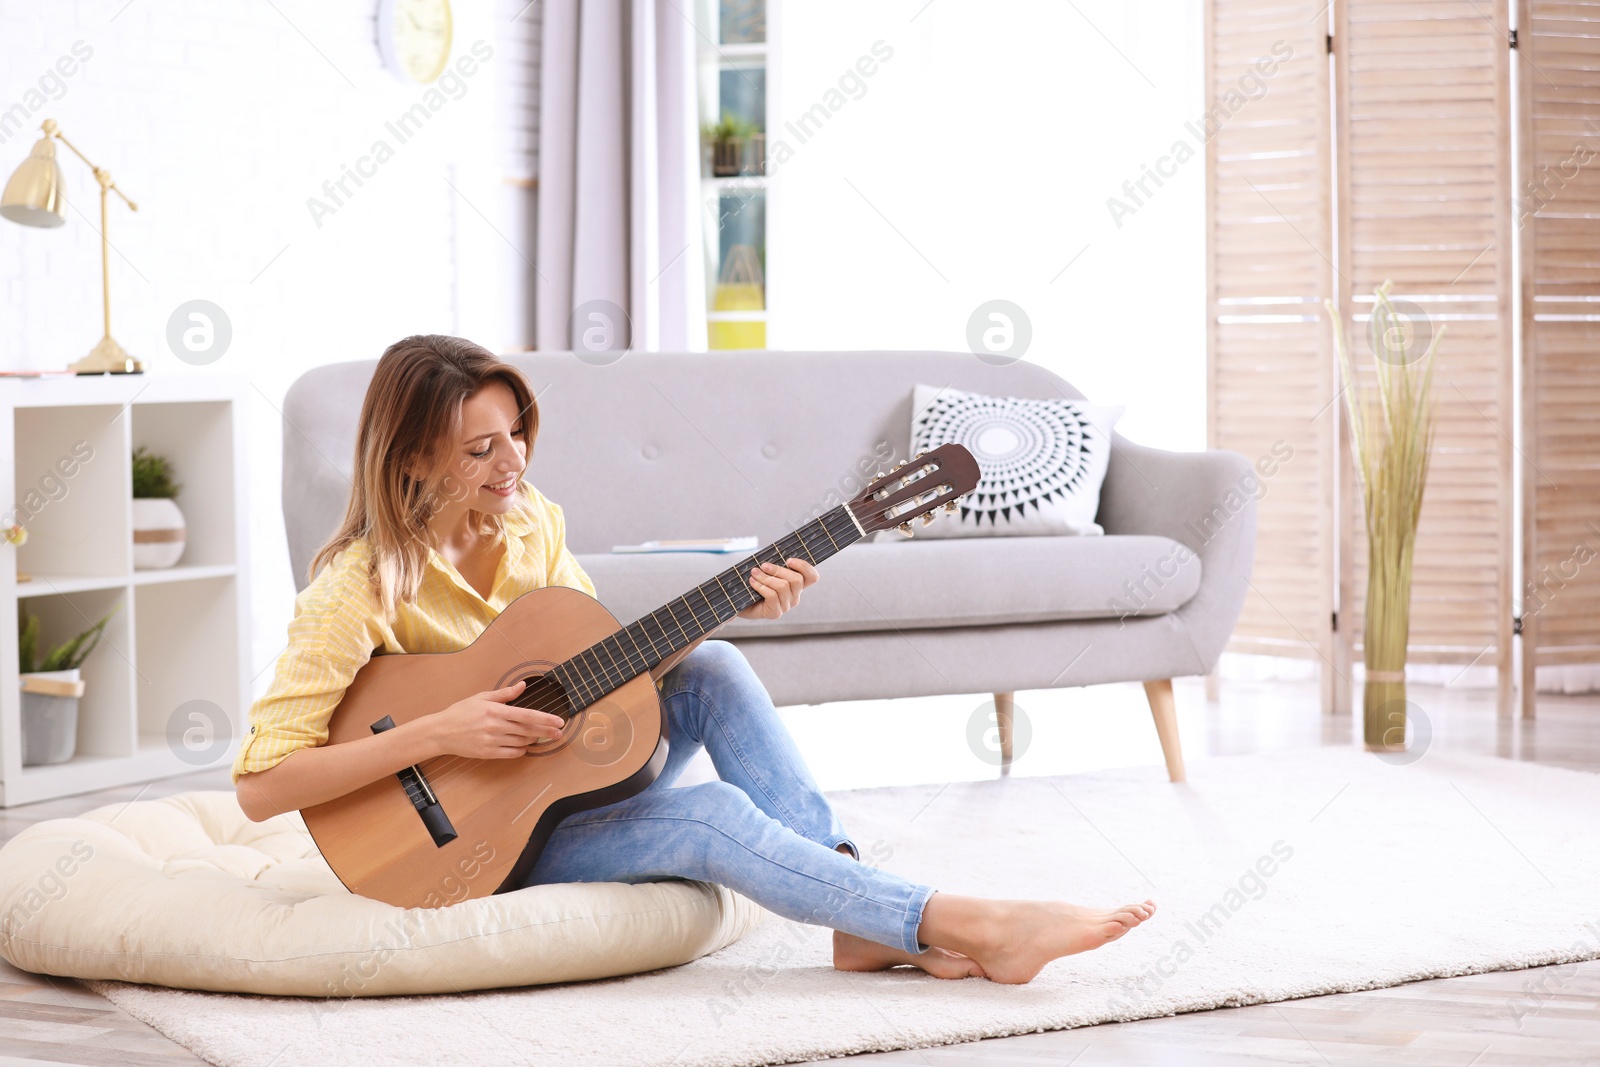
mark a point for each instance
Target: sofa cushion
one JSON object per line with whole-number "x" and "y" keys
{"x": 1048, "y": 454}
{"x": 930, "y": 584}
{"x": 188, "y": 892}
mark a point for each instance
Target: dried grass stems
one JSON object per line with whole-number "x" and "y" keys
{"x": 1391, "y": 441}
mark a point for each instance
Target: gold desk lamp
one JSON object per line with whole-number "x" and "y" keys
{"x": 35, "y": 196}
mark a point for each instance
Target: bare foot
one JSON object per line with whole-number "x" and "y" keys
{"x": 851, "y": 953}
{"x": 1024, "y": 935}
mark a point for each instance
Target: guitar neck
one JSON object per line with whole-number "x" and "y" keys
{"x": 637, "y": 647}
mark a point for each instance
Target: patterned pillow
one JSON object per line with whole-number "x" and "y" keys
{"x": 1041, "y": 461}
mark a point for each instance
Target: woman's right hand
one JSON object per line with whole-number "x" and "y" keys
{"x": 486, "y": 726}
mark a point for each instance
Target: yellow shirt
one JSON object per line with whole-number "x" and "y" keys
{"x": 338, "y": 625}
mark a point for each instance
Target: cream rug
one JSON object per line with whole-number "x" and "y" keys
{"x": 1278, "y": 876}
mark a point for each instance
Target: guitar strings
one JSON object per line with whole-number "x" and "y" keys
{"x": 586, "y": 675}
{"x": 825, "y": 543}
{"x": 610, "y": 663}
{"x": 610, "y": 679}
{"x": 586, "y": 684}
{"x": 457, "y": 766}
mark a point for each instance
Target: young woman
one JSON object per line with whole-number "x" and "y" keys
{"x": 441, "y": 533}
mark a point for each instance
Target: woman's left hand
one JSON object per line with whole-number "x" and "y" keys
{"x": 779, "y": 587}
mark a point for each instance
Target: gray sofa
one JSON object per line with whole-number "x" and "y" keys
{"x": 672, "y": 445}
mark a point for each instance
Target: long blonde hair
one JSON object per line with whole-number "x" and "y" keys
{"x": 409, "y": 419}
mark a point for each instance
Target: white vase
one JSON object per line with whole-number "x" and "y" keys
{"x": 159, "y": 533}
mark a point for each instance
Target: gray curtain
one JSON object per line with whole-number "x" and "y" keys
{"x": 618, "y": 213}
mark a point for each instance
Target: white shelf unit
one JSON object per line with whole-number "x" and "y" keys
{"x": 179, "y": 635}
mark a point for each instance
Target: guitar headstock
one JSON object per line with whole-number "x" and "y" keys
{"x": 915, "y": 488}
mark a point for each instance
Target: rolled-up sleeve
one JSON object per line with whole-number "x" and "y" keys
{"x": 335, "y": 629}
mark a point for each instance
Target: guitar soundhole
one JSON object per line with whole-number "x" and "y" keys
{"x": 545, "y": 693}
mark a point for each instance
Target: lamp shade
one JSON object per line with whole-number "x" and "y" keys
{"x": 35, "y": 195}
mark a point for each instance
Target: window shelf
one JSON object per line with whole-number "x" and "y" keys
{"x": 733, "y": 54}
{"x": 735, "y": 183}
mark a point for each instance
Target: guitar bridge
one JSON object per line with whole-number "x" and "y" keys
{"x": 422, "y": 797}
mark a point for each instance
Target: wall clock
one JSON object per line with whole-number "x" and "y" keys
{"x": 414, "y": 38}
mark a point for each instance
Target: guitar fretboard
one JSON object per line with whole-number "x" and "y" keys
{"x": 640, "y": 645}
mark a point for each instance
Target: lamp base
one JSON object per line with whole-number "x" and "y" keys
{"x": 108, "y": 357}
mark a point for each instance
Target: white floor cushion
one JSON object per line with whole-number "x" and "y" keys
{"x": 187, "y": 892}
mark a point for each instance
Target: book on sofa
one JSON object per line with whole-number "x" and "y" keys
{"x": 703, "y": 544}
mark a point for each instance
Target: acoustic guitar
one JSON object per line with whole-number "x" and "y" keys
{"x": 454, "y": 828}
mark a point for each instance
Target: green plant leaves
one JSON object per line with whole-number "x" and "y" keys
{"x": 731, "y": 127}
{"x": 152, "y": 475}
{"x": 28, "y": 644}
{"x": 64, "y": 657}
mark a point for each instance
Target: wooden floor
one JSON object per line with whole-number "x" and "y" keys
{"x": 1540, "y": 1016}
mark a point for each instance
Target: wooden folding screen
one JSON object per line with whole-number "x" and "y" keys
{"x": 1417, "y": 190}
{"x": 1423, "y": 111}
{"x": 1270, "y": 264}
{"x": 1557, "y": 202}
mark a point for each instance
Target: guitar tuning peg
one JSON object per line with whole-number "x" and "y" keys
{"x": 919, "y": 455}
{"x": 905, "y": 528}
{"x": 927, "y": 518}
{"x": 950, "y": 506}
{"x": 875, "y": 477}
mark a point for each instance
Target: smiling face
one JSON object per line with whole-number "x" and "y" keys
{"x": 486, "y": 457}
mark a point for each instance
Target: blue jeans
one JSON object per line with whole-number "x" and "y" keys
{"x": 765, "y": 830}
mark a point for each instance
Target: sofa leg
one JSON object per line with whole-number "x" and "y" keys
{"x": 1165, "y": 711}
{"x": 1002, "y": 719}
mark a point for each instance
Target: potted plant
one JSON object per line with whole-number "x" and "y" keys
{"x": 1391, "y": 441}
{"x": 159, "y": 532}
{"x": 729, "y": 140}
{"x": 51, "y": 689}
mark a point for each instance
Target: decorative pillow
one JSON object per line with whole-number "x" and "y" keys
{"x": 1041, "y": 461}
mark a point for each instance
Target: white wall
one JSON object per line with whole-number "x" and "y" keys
{"x": 975, "y": 164}
{"x": 990, "y": 141}
{"x": 221, "y": 118}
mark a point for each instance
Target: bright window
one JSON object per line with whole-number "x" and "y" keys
{"x": 732, "y": 65}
